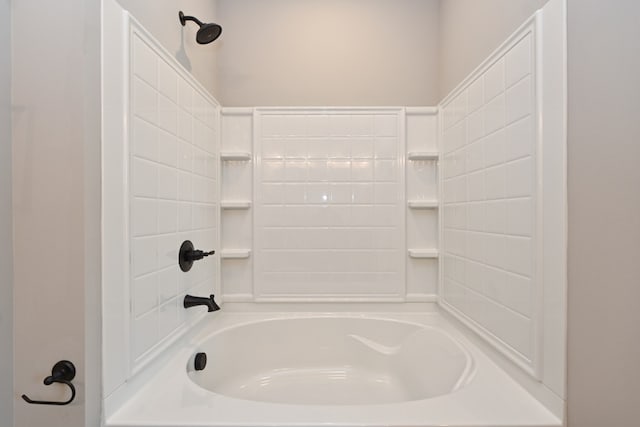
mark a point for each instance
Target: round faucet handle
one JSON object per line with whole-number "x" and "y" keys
{"x": 188, "y": 254}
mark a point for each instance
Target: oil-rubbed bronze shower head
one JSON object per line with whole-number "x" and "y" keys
{"x": 207, "y": 32}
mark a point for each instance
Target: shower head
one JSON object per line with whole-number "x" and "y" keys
{"x": 207, "y": 32}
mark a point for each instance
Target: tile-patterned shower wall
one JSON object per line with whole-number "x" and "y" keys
{"x": 173, "y": 195}
{"x": 329, "y": 195}
{"x": 489, "y": 191}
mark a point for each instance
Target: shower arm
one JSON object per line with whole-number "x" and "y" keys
{"x": 184, "y": 19}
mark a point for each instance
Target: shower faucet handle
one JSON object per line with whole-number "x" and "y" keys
{"x": 197, "y": 254}
{"x": 188, "y": 254}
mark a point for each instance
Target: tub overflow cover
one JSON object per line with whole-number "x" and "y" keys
{"x": 200, "y": 361}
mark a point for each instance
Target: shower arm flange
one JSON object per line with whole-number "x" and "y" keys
{"x": 184, "y": 19}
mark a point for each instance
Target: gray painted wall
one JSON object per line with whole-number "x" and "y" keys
{"x": 56, "y": 182}
{"x": 405, "y": 52}
{"x": 604, "y": 219}
{"x": 328, "y": 52}
{"x": 471, "y": 29}
{"x": 160, "y": 18}
{"x": 6, "y": 234}
{"x": 91, "y": 144}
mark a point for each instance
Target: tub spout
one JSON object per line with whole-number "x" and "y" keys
{"x": 191, "y": 301}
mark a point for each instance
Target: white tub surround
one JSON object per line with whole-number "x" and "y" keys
{"x": 457, "y": 386}
{"x": 160, "y": 187}
{"x": 504, "y": 198}
{"x": 324, "y": 201}
{"x": 329, "y": 214}
{"x": 322, "y": 208}
{"x": 489, "y": 175}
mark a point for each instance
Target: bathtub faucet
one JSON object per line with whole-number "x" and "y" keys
{"x": 191, "y": 301}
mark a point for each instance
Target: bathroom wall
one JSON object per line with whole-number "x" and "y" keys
{"x": 504, "y": 216}
{"x": 329, "y": 205}
{"x": 160, "y": 17}
{"x": 330, "y": 189}
{"x": 604, "y": 201}
{"x": 6, "y": 227}
{"x": 160, "y": 188}
{"x": 489, "y": 174}
{"x": 56, "y": 180}
{"x": 328, "y": 52}
{"x": 470, "y": 30}
{"x": 173, "y": 148}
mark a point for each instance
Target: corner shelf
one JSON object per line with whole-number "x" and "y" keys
{"x": 235, "y": 254}
{"x": 235, "y": 204}
{"x": 423, "y": 204}
{"x": 423, "y": 253}
{"x": 235, "y": 155}
{"x": 423, "y": 155}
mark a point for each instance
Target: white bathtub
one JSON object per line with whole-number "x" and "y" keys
{"x": 338, "y": 369}
{"x": 334, "y": 361}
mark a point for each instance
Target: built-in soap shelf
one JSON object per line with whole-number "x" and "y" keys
{"x": 422, "y": 204}
{"x": 423, "y": 253}
{"x": 235, "y": 204}
{"x": 422, "y": 155}
{"x": 235, "y": 155}
{"x": 422, "y": 211}
{"x": 235, "y": 253}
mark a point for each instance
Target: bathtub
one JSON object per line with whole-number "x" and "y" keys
{"x": 333, "y": 361}
{"x": 339, "y": 369}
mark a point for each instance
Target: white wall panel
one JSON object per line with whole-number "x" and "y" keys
{"x": 490, "y": 177}
{"x": 173, "y": 180}
{"x": 161, "y": 187}
{"x": 503, "y": 142}
{"x": 329, "y": 196}
{"x": 351, "y": 159}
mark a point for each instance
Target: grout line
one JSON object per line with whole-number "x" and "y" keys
{"x": 464, "y": 258}
{"x": 493, "y": 300}
{"x": 155, "y": 125}
{"x": 528, "y": 74}
{"x": 198, "y": 203}
{"x": 489, "y": 233}
{"x": 169, "y": 233}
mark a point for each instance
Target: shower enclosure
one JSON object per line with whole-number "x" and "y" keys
{"x": 429, "y": 240}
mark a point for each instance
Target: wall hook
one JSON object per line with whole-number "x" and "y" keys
{"x": 62, "y": 372}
